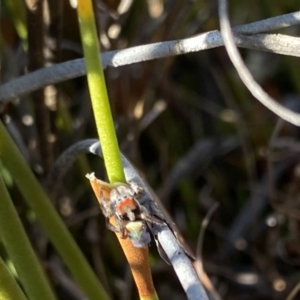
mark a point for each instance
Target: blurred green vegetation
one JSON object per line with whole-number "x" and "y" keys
{"x": 188, "y": 124}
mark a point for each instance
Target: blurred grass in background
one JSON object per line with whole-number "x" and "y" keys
{"x": 189, "y": 110}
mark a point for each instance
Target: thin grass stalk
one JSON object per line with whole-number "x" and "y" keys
{"x": 18, "y": 247}
{"x": 98, "y": 92}
{"x": 138, "y": 258}
{"x": 48, "y": 218}
{"x": 9, "y": 289}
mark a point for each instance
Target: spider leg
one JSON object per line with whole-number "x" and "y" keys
{"x": 112, "y": 227}
{"x": 145, "y": 215}
{"x": 119, "y": 227}
{"x": 123, "y": 231}
{"x": 106, "y": 206}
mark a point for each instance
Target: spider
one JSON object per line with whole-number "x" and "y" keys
{"x": 135, "y": 213}
{"x": 121, "y": 200}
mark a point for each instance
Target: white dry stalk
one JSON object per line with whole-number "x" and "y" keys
{"x": 255, "y": 89}
{"x": 180, "y": 262}
{"x": 246, "y": 36}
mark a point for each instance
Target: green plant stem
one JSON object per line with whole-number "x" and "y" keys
{"x": 110, "y": 149}
{"x": 16, "y": 9}
{"x": 98, "y": 93}
{"x": 20, "y": 252}
{"x": 9, "y": 289}
{"x": 48, "y": 217}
